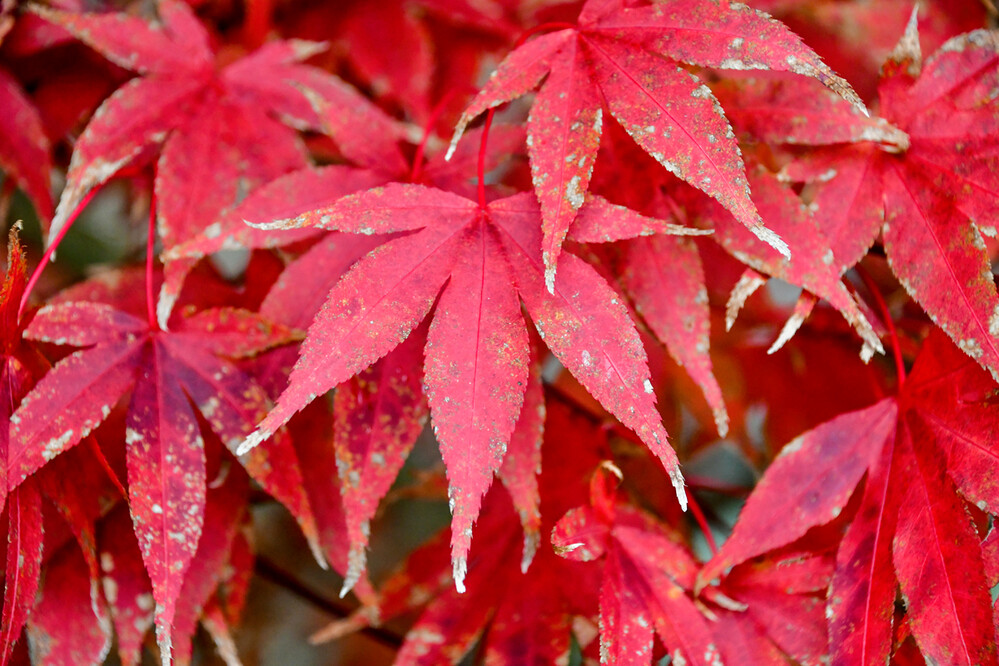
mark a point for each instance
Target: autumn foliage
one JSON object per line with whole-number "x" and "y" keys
{"x": 683, "y": 311}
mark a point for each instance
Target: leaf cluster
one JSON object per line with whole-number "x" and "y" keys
{"x": 719, "y": 318}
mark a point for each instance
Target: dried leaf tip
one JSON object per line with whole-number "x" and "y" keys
{"x": 773, "y": 240}
{"x": 459, "y": 130}
{"x": 908, "y": 51}
{"x": 356, "y": 561}
{"x": 681, "y": 492}
{"x": 305, "y": 48}
{"x": 531, "y": 541}
{"x": 453, "y": 146}
{"x": 166, "y": 645}
{"x": 252, "y": 441}
{"x": 459, "y": 569}
{"x": 275, "y": 225}
{"x": 318, "y": 555}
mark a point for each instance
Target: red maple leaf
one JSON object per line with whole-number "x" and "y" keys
{"x": 21, "y": 366}
{"x": 518, "y": 614}
{"x": 924, "y": 176}
{"x": 627, "y": 59}
{"x": 477, "y": 356}
{"x": 166, "y": 372}
{"x": 24, "y": 148}
{"x": 219, "y": 132}
{"x": 918, "y": 450}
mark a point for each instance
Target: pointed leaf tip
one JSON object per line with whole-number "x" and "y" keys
{"x": 252, "y": 441}
{"x": 356, "y": 562}
{"x": 453, "y": 146}
{"x": 460, "y": 568}
{"x": 678, "y": 485}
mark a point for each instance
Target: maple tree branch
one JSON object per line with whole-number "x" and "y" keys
{"x": 275, "y": 575}
{"x": 50, "y": 250}
{"x": 150, "y": 248}
{"x": 886, "y": 316}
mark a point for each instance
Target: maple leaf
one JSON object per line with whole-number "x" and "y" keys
{"x": 25, "y": 530}
{"x": 122, "y": 570}
{"x": 645, "y": 573}
{"x": 924, "y": 177}
{"x": 166, "y": 464}
{"x": 813, "y": 266}
{"x": 854, "y": 37}
{"x": 517, "y": 615}
{"x": 477, "y": 351}
{"x": 679, "y": 317}
{"x": 628, "y": 57}
{"x": 219, "y": 133}
{"x": 918, "y": 451}
{"x": 68, "y": 625}
{"x": 24, "y": 148}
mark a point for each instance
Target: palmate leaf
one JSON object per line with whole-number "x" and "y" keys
{"x": 217, "y": 133}
{"x": 21, "y": 506}
{"x": 517, "y": 616}
{"x": 628, "y": 57}
{"x": 645, "y": 576}
{"x": 486, "y": 261}
{"x": 925, "y": 177}
{"x": 917, "y": 451}
{"x": 166, "y": 372}
{"x": 24, "y": 148}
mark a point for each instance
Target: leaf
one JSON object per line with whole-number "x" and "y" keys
{"x": 522, "y": 463}
{"x": 645, "y": 574}
{"x": 665, "y": 109}
{"x": 936, "y": 555}
{"x": 24, "y": 148}
{"x": 224, "y": 507}
{"x": 475, "y": 391}
{"x": 463, "y": 248}
{"x": 516, "y": 615}
{"x": 166, "y": 479}
{"x": 378, "y": 416}
{"x": 218, "y": 138}
{"x": 126, "y": 584}
{"x": 862, "y": 593}
{"x": 932, "y": 189}
{"x": 166, "y": 464}
{"x": 574, "y": 322}
{"x": 24, "y": 559}
{"x": 910, "y": 517}
{"x": 69, "y": 624}
{"x": 814, "y": 266}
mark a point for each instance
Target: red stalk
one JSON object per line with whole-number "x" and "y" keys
{"x": 889, "y": 324}
{"x": 702, "y": 522}
{"x": 435, "y": 115}
{"x": 482, "y": 158}
{"x": 150, "y": 249}
{"x": 50, "y": 250}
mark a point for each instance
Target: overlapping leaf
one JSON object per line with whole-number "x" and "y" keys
{"x": 476, "y": 353}
{"x": 218, "y": 133}
{"x": 24, "y": 148}
{"x": 925, "y": 178}
{"x": 628, "y": 57}
{"x": 518, "y": 616}
{"x": 166, "y": 372}
{"x": 917, "y": 451}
